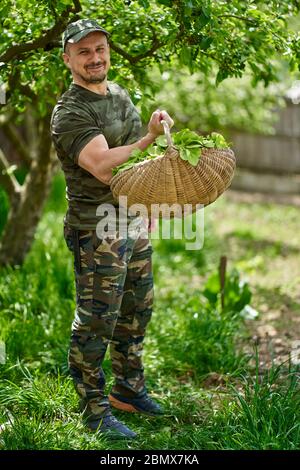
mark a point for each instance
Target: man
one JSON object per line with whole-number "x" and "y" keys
{"x": 95, "y": 127}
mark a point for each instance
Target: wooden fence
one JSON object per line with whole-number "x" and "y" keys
{"x": 270, "y": 162}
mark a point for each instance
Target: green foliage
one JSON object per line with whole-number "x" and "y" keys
{"x": 264, "y": 414}
{"x": 205, "y": 335}
{"x": 194, "y": 101}
{"x": 136, "y": 156}
{"x": 188, "y": 144}
{"x": 51, "y": 397}
{"x": 236, "y": 292}
{"x": 199, "y": 34}
{"x": 26, "y": 300}
{"x": 258, "y": 413}
{"x": 57, "y": 200}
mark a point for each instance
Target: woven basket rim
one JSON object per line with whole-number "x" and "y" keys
{"x": 165, "y": 155}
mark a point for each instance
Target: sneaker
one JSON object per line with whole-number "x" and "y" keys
{"x": 111, "y": 428}
{"x": 143, "y": 404}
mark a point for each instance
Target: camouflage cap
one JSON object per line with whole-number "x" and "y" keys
{"x": 79, "y": 29}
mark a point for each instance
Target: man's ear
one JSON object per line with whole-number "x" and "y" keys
{"x": 66, "y": 59}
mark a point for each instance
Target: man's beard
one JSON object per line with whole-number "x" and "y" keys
{"x": 93, "y": 79}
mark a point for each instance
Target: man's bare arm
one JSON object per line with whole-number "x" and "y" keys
{"x": 99, "y": 160}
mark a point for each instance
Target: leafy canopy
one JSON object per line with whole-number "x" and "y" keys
{"x": 199, "y": 34}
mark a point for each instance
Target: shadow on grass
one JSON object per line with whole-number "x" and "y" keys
{"x": 249, "y": 244}
{"x": 276, "y": 299}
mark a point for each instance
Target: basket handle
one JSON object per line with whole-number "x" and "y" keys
{"x": 167, "y": 132}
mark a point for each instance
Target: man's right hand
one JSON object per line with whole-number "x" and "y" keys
{"x": 155, "y": 126}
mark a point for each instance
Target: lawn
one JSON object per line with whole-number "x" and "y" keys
{"x": 226, "y": 380}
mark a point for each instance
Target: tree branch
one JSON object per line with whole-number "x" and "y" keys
{"x": 120, "y": 51}
{"x": 18, "y": 143}
{"x": 7, "y": 179}
{"x": 40, "y": 166}
{"x": 49, "y": 41}
{"x": 15, "y": 82}
{"x": 156, "y": 44}
{"x": 18, "y": 50}
{"x": 31, "y": 131}
{"x": 242, "y": 18}
{"x": 44, "y": 141}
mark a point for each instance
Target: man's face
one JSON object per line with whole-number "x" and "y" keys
{"x": 89, "y": 59}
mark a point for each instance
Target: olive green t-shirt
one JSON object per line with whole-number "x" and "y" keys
{"x": 78, "y": 117}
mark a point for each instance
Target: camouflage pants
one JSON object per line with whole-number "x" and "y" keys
{"x": 114, "y": 297}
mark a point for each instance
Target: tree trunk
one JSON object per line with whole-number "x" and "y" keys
{"x": 26, "y": 208}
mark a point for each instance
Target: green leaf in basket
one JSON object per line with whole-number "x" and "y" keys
{"x": 194, "y": 156}
{"x": 184, "y": 153}
{"x": 136, "y": 153}
{"x": 153, "y": 151}
{"x": 187, "y": 142}
{"x": 186, "y": 137}
{"x": 130, "y": 165}
{"x": 219, "y": 140}
{"x": 161, "y": 141}
{"x": 208, "y": 143}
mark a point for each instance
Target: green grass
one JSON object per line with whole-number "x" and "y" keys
{"x": 258, "y": 413}
{"x": 191, "y": 335}
{"x": 264, "y": 414}
{"x": 194, "y": 357}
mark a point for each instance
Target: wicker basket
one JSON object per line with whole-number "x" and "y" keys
{"x": 167, "y": 180}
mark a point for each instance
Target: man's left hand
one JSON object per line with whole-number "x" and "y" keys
{"x": 155, "y": 127}
{"x": 164, "y": 116}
